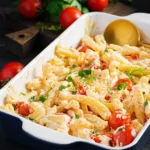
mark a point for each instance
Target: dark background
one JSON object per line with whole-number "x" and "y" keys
{"x": 5, "y": 57}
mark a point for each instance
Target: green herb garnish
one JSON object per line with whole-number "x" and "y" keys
{"x": 32, "y": 99}
{"x": 69, "y": 79}
{"x": 121, "y": 129}
{"x": 77, "y": 117}
{"x": 122, "y": 85}
{"x": 84, "y": 73}
{"x": 106, "y": 51}
{"x": 74, "y": 66}
{"x": 143, "y": 93}
{"x": 146, "y": 103}
{"x": 43, "y": 98}
{"x": 131, "y": 73}
{"x": 75, "y": 90}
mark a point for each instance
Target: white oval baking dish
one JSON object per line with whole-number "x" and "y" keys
{"x": 92, "y": 23}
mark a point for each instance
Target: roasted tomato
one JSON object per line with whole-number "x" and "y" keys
{"x": 124, "y": 80}
{"x": 83, "y": 48}
{"x": 23, "y": 109}
{"x": 124, "y": 136}
{"x": 81, "y": 90}
{"x": 132, "y": 57}
{"x": 119, "y": 118}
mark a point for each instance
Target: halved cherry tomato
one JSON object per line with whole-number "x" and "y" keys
{"x": 83, "y": 48}
{"x": 81, "y": 90}
{"x": 23, "y": 109}
{"x": 103, "y": 64}
{"x": 133, "y": 57}
{"x": 129, "y": 86}
{"x": 125, "y": 136}
{"x": 119, "y": 118}
{"x": 68, "y": 16}
{"x": 10, "y": 70}
{"x": 96, "y": 138}
{"x": 107, "y": 97}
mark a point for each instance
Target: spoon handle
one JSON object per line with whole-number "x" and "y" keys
{"x": 144, "y": 44}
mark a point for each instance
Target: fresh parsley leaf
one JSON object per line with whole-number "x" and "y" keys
{"x": 146, "y": 103}
{"x": 43, "y": 98}
{"x": 23, "y": 94}
{"x": 85, "y": 10}
{"x": 32, "y": 99}
{"x": 122, "y": 85}
{"x": 77, "y": 117}
{"x": 84, "y": 73}
{"x": 89, "y": 79}
{"x": 69, "y": 79}
{"x": 75, "y": 90}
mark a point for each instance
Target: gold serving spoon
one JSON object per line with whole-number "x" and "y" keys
{"x": 123, "y": 32}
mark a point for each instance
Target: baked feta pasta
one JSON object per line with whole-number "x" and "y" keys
{"x": 98, "y": 91}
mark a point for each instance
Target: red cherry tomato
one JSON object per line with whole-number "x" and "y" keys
{"x": 23, "y": 109}
{"x": 30, "y": 8}
{"x": 125, "y": 136}
{"x": 107, "y": 97}
{"x": 10, "y": 70}
{"x": 96, "y": 138}
{"x": 97, "y": 5}
{"x": 81, "y": 90}
{"x": 129, "y": 86}
{"x": 103, "y": 64}
{"x": 119, "y": 118}
{"x": 133, "y": 57}
{"x": 83, "y": 48}
{"x": 68, "y": 16}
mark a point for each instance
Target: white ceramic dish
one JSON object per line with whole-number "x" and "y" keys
{"x": 93, "y": 23}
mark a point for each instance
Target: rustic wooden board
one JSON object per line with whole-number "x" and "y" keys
{"x": 17, "y": 22}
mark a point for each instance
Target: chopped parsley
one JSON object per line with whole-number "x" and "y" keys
{"x": 43, "y": 98}
{"x": 69, "y": 79}
{"x": 106, "y": 51}
{"x": 84, "y": 73}
{"x": 131, "y": 73}
{"x": 89, "y": 79}
{"x": 77, "y": 117}
{"x": 143, "y": 93}
{"x": 74, "y": 66}
{"x": 32, "y": 99}
{"x": 146, "y": 103}
{"x": 122, "y": 85}
{"x": 95, "y": 132}
{"x": 63, "y": 87}
{"x": 23, "y": 94}
{"x": 31, "y": 119}
{"x": 121, "y": 129}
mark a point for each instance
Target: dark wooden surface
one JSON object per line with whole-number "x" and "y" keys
{"x": 5, "y": 57}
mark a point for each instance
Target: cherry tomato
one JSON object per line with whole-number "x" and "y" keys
{"x": 124, "y": 136}
{"x": 68, "y": 16}
{"x": 23, "y": 109}
{"x": 107, "y": 97}
{"x": 103, "y": 64}
{"x": 10, "y": 70}
{"x": 83, "y": 48}
{"x": 129, "y": 86}
{"x": 133, "y": 57}
{"x": 81, "y": 90}
{"x": 97, "y": 5}
{"x": 96, "y": 138}
{"x": 119, "y": 118}
{"x": 30, "y": 8}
